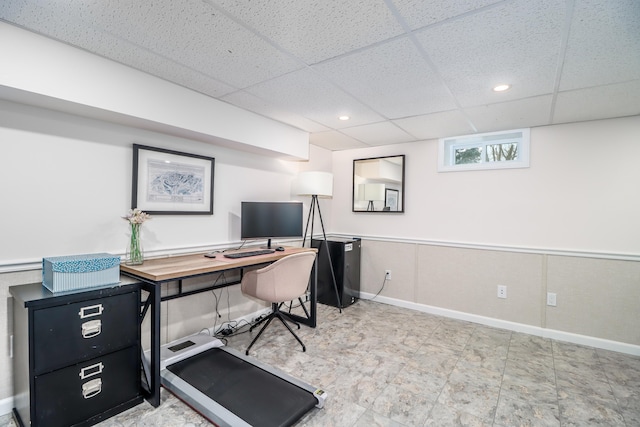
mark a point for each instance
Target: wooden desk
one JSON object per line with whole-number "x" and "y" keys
{"x": 156, "y": 271}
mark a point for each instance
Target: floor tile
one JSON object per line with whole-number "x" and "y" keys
{"x": 388, "y": 366}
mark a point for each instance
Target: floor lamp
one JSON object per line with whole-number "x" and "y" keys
{"x": 317, "y": 184}
{"x": 371, "y": 193}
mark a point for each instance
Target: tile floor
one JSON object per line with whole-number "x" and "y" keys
{"x": 389, "y": 366}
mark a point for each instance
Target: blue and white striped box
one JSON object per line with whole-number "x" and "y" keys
{"x": 68, "y": 273}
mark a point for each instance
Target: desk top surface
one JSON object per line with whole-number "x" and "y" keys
{"x": 181, "y": 266}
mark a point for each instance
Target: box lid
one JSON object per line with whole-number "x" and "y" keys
{"x": 81, "y": 263}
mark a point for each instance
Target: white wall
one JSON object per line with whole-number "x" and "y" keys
{"x": 54, "y": 75}
{"x": 580, "y": 194}
{"x": 68, "y": 182}
{"x": 567, "y": 225}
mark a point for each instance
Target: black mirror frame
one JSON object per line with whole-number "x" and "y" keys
{"x": 402, "y": 186}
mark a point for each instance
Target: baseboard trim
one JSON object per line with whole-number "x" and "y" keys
{"x": 585, "y": 340}
{"x": 6, "y": 405}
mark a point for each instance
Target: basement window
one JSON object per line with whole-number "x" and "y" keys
{"x": 495, "y": 150}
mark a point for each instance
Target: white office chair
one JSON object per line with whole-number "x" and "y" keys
{"x": 284, "y": 280}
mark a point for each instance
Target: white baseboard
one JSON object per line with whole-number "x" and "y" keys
{"x": 6, "y": 405}
{"x": 585, "y": 340}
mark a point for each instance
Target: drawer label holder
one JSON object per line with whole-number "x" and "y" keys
{"x": 90, "y": 311}
{"x": 92, "y": 370}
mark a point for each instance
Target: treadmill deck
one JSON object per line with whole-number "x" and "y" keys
{"x": 231, "y": 389}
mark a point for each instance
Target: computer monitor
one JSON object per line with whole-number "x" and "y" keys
{"x": 267, "y": 220}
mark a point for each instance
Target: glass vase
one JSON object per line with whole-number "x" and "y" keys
{"x": 134, "y": 253}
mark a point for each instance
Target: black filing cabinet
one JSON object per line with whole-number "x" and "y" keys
{"x": 76, "y": 355}
{"x": 345, "y": 258}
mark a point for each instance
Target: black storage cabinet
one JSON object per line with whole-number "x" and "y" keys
{"x": 76, "y": 355}
{"x": 345, "y": 257}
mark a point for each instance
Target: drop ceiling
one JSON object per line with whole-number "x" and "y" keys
{"x": 402, "y": 70}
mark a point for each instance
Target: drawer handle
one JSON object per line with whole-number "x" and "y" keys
{"x": 91, "y": 328}
{"x": 91, "y": 388}
{"x": 90, "y": 311}
{"x": 89, "y": 371}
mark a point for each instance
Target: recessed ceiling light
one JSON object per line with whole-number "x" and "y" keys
{"x": 343, "y": 118}
{"x": 501, "y": 88}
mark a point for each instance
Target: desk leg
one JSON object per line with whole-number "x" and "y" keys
{"x": 314, "y": 295}
{"x": 154, "y": 375}
{"x": 311, "y": 320}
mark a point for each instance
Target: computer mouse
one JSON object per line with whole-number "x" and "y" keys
{"x": 279, "y": 249}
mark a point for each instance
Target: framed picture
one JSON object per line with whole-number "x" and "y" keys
{"x": 391, "y": 199}
{"x": 167, "y": 182}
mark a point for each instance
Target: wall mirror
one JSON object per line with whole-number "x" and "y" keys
{"x": 378, "y": 184}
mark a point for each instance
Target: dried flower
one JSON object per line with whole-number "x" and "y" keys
{"x": 136, "y": 216}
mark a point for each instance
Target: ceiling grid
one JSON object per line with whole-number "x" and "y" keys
{"x": 403, "y": 70}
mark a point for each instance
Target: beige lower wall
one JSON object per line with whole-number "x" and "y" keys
{"x": 400, "y": 258}
{"x": 596, "y": 297}
{"x": 467, "y": 279}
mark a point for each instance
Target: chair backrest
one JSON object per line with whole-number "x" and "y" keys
{"x": 283, "y": 280}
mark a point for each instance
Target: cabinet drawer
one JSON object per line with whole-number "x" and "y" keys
{"x": 65, "y": 398}
{"x": 68, "y": 334}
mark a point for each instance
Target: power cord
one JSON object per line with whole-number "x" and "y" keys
{"x": 384, "y": 281}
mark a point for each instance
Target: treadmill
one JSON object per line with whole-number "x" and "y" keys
{"x": 231, "y": 389}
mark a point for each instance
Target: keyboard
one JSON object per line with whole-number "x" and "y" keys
{"x": 249, "y": 253}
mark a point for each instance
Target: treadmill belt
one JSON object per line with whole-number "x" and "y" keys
{"x": 253, "y": 394}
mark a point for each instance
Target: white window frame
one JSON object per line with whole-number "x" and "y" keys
{"x": 448, "y": 146}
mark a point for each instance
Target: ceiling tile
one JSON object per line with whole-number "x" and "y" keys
{"x": 420, "y": 13}
{"x": 392, "y": 78}
{"x": 425, "y": 66}
{"x": 149, "y": 62}
{"x": 312, "y": 96}
{"x": 616, "y": 100}
{"x": 604, "y": 44}
{"x": 319, "y": 30}
{"x": 194, "y": 35}
{"x": 516, "y": 43}
{"x": 105, "y": 43}
{"x": 334, "y": 140}
{"x": 512, "y": 114}
{"x": 252, "y": 103}
{"x": 381, "y": 133}
{"x": 430, "y": 126}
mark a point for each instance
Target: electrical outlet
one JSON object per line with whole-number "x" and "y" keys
{"x": 387, "y": 274}
{"x": 502, "y": 291}
{"x": 551, "y": 299}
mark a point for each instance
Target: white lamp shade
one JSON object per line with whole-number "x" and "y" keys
{"x": 371, "y": 192}
{"x": 314, "y": 184}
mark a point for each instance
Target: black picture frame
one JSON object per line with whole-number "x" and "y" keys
{"x": 168, "y": 182}
{"x": 391, "y": 199}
